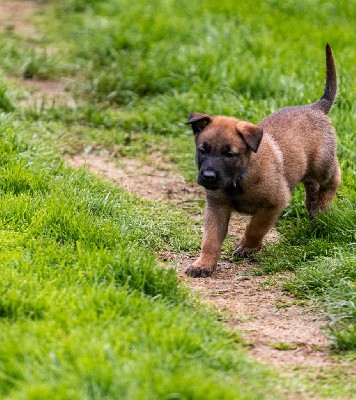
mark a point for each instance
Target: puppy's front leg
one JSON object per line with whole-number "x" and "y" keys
{"x": 261, "y": 222}
{"x": 217, "y": 218}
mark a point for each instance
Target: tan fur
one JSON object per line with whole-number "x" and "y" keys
{"x": 256, "y": 177}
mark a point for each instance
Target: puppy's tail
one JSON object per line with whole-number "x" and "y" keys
{"x": 330, "y": 91}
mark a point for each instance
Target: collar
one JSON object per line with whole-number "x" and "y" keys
{"x": 236, "y": 184}
{"x": 242, "y": 175}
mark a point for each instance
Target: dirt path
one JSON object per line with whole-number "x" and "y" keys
{"x": 14, "y": 17}
{"x": 280, "y": 331}
{"x": 47, "y": 93}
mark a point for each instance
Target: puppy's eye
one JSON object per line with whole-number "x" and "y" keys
{"x": 202, "y": 151}
{"x": 230, "y": 155}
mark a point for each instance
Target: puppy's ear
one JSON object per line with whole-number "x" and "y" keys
{"x": 251, "y": 134}
{"x": 199, "y": 121}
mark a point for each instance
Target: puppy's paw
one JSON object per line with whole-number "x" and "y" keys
{"x": 199, "y": 272}
{"x": 244, "y": 252}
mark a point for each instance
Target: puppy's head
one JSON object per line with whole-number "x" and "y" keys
{"x": 223, "y": 147}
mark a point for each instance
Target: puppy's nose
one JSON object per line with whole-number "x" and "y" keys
{"x": 209, "y": 175}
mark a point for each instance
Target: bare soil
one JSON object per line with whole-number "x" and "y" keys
{"x": 144, "y": 180}
{"x": 14, "y": 17}
{"x": 48, "y": 93}
{"x": 278, "y": 330}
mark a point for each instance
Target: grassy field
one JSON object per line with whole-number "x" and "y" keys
{"x": 85, "y": 312}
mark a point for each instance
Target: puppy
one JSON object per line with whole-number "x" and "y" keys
{"x": 253, "y": 169}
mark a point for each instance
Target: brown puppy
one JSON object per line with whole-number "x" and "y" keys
{"x": 253, "y": 169}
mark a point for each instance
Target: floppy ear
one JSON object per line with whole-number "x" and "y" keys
{"x": 199, "y": 121}
{"x": 251, "y": 134}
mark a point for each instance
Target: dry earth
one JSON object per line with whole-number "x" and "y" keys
{"x": 256, "y": 305}
{"x": 47, "y": 93}
{"x": 14, "y": 17}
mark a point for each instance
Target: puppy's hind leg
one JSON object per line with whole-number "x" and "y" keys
{"x": 311, "y": 196}
{"x": 327, "y": 190}
{"x": 319, "y": 196}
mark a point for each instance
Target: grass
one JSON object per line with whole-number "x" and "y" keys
{"x": 85, "y": 312}
{"x": 5, "y": 101}
{"x": 284, "y": 346}
{"x": 333, "y": 382}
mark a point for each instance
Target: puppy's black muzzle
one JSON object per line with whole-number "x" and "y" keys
{"x": 209, "y": 179}
{"x": 215, "y": 172}
{"x": 209, "y": 176}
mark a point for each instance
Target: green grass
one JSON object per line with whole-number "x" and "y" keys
{"x": 85, "y": 311}
{"x": 5, "y": 101}
{"x": 284, "y": 346}
{"x": 334, "y": 382}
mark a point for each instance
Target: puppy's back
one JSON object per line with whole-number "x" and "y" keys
{"x": 305, "y": 137}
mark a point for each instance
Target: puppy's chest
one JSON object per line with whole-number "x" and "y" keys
{"x": 242, "y": 205}
{"x": 241, "y": 200}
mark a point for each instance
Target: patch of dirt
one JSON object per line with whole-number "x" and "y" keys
{"x": 280, "y": 331}
{"x": 48, "y": 93}
{"x": 14, "y": 17}
{"x": 144, "y": 180}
